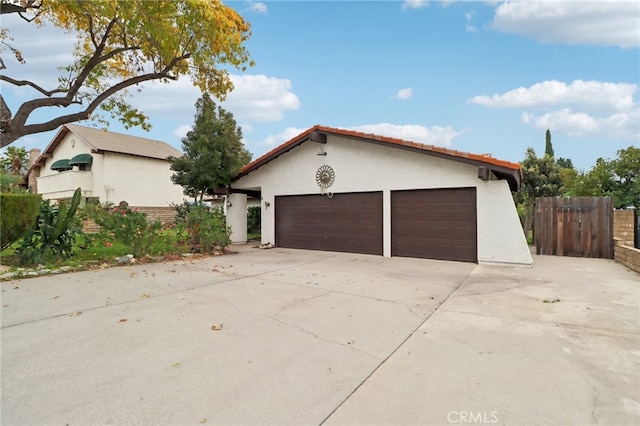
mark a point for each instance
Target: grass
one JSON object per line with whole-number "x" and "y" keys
{"x": 94, "y": 249}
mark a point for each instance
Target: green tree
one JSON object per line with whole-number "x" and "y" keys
{"x": 9, "y": 182}
{"x": 541, "y": 178}
{"x": 213, "y": 151}
{"x": 626, "y": 172}
{"x": 564, "y": 163}
{"x": 618, "y": 178}
{"x": 548, "y": 147}
{"x": 121, "y": 44}
{"x": 15, "y": 161}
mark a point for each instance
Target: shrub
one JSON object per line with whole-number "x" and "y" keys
{"x": 54, "y": 233}
{"x": 130, "y": 227}
{"x": 205, "y": 228}
{"x": 10, "y": 183}
{"x": 254, "y": 221}
{"x": 18, "y": 213}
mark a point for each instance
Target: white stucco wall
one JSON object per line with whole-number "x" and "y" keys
{"x": 237, "y": 203}
{"x": 500, "y": 235}
{"x": 65, "y": 150}
{"x": 114, "y": 177}
{"x": 57, "y": 185}
{"x": 361, "y": 166}
{"x": 139, "y": 181}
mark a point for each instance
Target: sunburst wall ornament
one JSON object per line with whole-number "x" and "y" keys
{"x": 325, "y": 176}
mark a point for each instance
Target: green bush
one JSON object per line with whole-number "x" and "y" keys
{"x": 254, "y": 221}
{"x": 130, "y": 227}
{"x": 18, "y": 213}
{"x": 10, "y": 183}
{"x": 54, "y": 233}
{"x": 204, "y": 228}
{"x": 182, "y": 211}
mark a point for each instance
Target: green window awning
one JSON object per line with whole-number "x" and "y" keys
{"x": 81, "y": 159}
{"x": 61, "y": 164}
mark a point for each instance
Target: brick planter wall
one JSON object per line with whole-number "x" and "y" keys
{"x": 166, "y": 215}
{"x": 90, "y": 227}
{"x": 623, "y": 226}
{"x": 626, "y": 255}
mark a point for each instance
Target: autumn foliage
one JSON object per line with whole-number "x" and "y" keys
{"x": 122, "y": 44}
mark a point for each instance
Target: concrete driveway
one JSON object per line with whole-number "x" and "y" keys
{"x": 301, "y": 337}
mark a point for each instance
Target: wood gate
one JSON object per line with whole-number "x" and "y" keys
{"x": 575, "y": 226}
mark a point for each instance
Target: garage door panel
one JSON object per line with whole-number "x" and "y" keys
{"x": 434, "y": 224}
{"x": 346, "y": 222}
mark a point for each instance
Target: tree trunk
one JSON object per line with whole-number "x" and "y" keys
{"x": 529, "y": 219}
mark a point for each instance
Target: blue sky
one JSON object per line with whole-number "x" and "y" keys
{"x": 483, "y": 77}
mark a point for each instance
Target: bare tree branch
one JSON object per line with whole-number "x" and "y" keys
{"x": 24, "y": 7}
{"x": 91, "y": 33}
{"x": 120, "y": 46}
{"x": 31, "y": 84}
{"x": 91, "y": 64}
{"x": 6, "y": 8}
{"x": 9, "y": 135}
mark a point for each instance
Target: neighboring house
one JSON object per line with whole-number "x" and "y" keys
{"x": 341, "y": 190}
{"x": 110, "y": 166}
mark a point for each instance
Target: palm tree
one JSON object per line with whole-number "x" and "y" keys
{"x": 15, "y": 161}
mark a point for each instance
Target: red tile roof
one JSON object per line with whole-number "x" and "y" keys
{"x": 400, "y": 143}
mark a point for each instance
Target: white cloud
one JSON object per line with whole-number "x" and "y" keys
{"x": 590, "y": 95}
{"x": 167, "y": 99}
{"x": 468, "y": 16}
{"x": 404, "y": 93}
{"x": 254, "y": 98}
{"x": 181, "y": 131}
{"x": 596, "y": 23}
{"x": 258, "y": 7}
{"x": 436, "y": 135}
{"x": 582, "y": 108}
{"x": 44, "y": 49}
{"x": 619, "y": 126}
{"x": 414, "y": 4}
{"x": 285, "y": 135}
{"x": 260, "y": 98}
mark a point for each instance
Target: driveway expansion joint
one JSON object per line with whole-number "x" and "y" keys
{"x": 311, "y": 333}
{"x": 413, "y": 332}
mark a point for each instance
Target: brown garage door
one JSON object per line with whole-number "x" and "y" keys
{"x": 434, "y": 224}
{"x": 347, "y": 222}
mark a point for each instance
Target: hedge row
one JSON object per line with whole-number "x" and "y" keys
{"x": 18, "y": 213}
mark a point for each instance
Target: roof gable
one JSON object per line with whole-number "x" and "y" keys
{"x": 502, "y": 169}
{"x": 100, "y": 141}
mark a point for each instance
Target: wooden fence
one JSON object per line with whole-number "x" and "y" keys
{"x": 575, "y": 226}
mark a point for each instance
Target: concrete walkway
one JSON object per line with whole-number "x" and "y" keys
{"x": 301, "y": 337}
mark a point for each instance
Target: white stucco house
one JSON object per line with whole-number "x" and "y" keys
{"x": 340, "y": 190}
{"x": 110, "y": 166}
